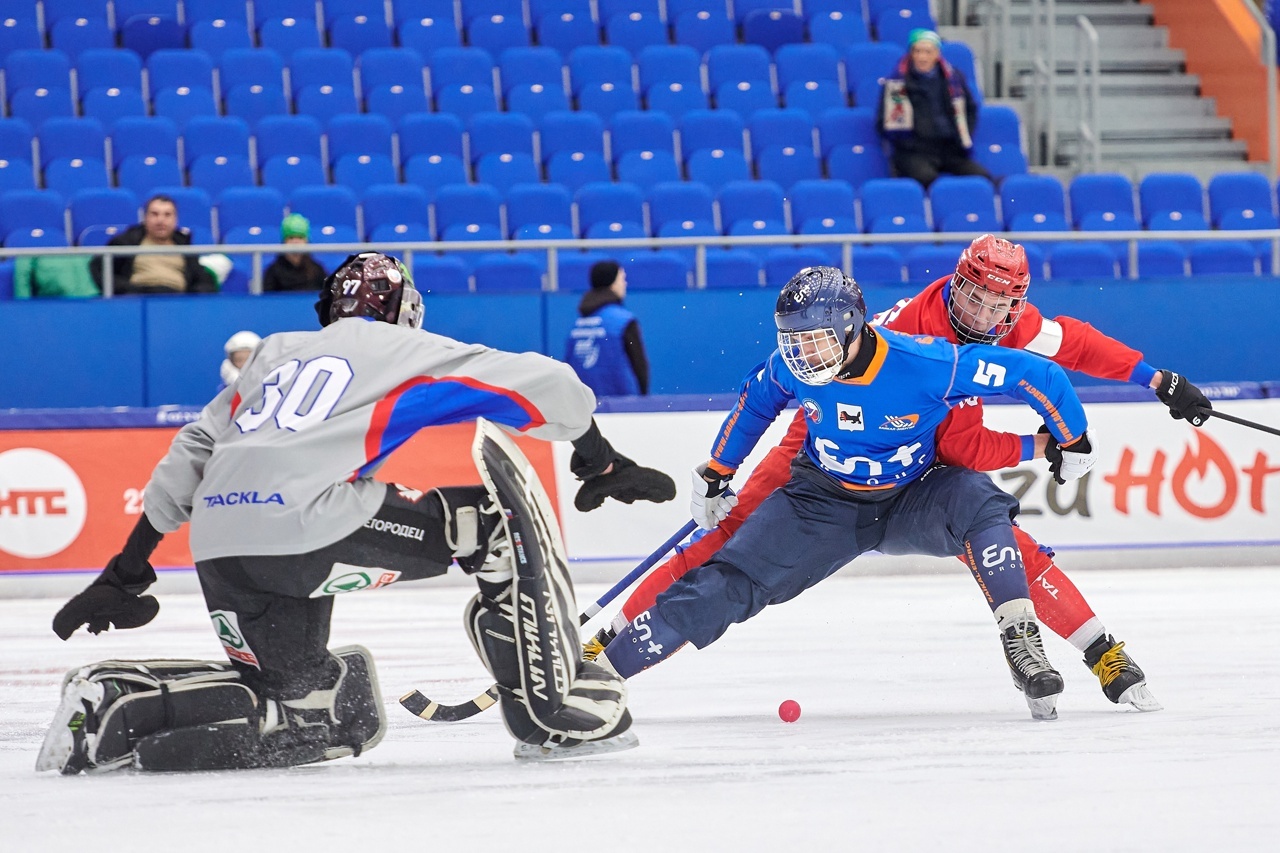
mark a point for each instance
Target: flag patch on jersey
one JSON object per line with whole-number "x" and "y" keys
{"x": 849, "y": 417}
{"x": 899, "y": 423}
{"x": 812, "y": 411}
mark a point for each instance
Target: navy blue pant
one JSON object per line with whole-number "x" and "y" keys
{"x": 805, "y": 531}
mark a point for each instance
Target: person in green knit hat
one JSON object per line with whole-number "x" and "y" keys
{"x": 293, "y": 270}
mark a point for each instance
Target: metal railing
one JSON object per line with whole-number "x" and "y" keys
{"x": 1268, "y": 58}
{"x": 1044, "y": 69}
{"x": 1087, "y": 95}
{"x": 553, "y": 248}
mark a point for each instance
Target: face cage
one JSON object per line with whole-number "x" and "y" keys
{"x": 963, "y": 306}
{"x": 815, "y": 356}
{"x": 411, "y": 310}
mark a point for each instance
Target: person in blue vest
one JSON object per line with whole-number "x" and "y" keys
{"x": 928, "y": 114}
{"x": 604, "y": 346}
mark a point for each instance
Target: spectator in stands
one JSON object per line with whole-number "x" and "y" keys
{"x": 238, "y": 348}
{"x": 604, "y": 346}
{"x": 928, "y": 114}
{"x": 156, "y": 273}
{"x": 53, "y": 275}
{"x": 294, "y": 270}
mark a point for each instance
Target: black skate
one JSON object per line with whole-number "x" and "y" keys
{"x": 1123, "y": 681}
{"x": 1032, "y": 673}
{"x": 595, "y": 647}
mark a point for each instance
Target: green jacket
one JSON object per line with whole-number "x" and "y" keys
{"x": 53, "y": 275}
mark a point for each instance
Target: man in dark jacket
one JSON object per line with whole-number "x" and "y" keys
{"x": 156, "y": 273}
{"x": 294, "y": 270}
{"x": 604, "y": 347}
{"x": 928, "y": 114}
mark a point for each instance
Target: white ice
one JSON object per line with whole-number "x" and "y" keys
{"x": 912, "y": 736}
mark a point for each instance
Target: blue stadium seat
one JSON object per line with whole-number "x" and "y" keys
{"x": 538, "y": 204}
{"x": 669, "y": 63}
{"x": 637, "y": 130}
{"x": 926, "y": 263}
{"x": 19, "y": 34}
{"x": 676, "y": 99}
{"x": 688, "y": 228}
{"x": 112, "y": 104}
{"x": 242, "y": 265}
{"x": 358, "y": 33}
{"x": 877, "y": 265}
{"x": 787, "y": 164}
{"x": 575, "y": 268}
{"x": 963, "y": 203}
{"x": 429, "y": 33}
{"x": 1230, "y": 257}
{"x": 1161, "y": 258}
{"x": 102, "y": 206}
{"x": 746, "y": 98}
{"x": 216, "y": 37}
{"x": 325, "y": 103}
{"x": 536, "y": 100}
{"x": 680, "y": 7}
{"x": 36, "y": 106}
{"x": 65, "y": 138}
{"x": 506, "y": 170}
{"x": 16, "y": 140}
{"x": 322, "y": 66}
{"x": 731, "y": 269}
{"x": 647, "y": 168}
{"x": 1177, "y": 192}
{"x": 286, "y": 36}
{"x": 279, "y": 136}
{"x": 440, "y": 274}
{"x": 607, "y": 99}
{"x": 635, "y": 31}
{"x": 185, "y": 103}
{"x": 145, "y": 34}
{"x": 96, "y": 69}
{"x": 496, "y": 33}
{"x": 780, "y": 264}
{"x": 250, "y": 207}
{"x": 604, "y": 203}
{"x": 570, "y": 131}
{"x": 893, "y": 205}
{"x": 56, "y": 10}
{"x": 735, "y": 63}
{"x": 499, "y": 133}
{"x": 34, "y": 238}
{"x": 325, "y": 205}
{"x": 959, "y": 55}
{"x": 265, "y": 10}
{"x": 287, "y": 173}
{"x": 710, "y": 129}
{"x": 1033, "y": 203}
{"x": 474, "y": 8}
{"x": 126, "y": 9}
{"x": 209, "y": 136}
{"x": 780, "y": 127}
{"x": 16, "y": 175}
{"x": 429, "y": 134}
{"x": 36, "y": 69}
{"x": 870, "y": 61}
{"x": 609, "y": 8}
{"x": 677, "y": 202}
{"x": 523, "y": 66}
{"x": 364, "y": 170}
{"x": 75, "y": 36}
{"x": 1082, "y": 260}
{"x": 858, "y": 163}
{"x": 566, "y": 31}
{"x": 71, "y": 174}
{"x": 593, "y": 64}
{"x": 470, "y": 204}
{"x": 1241, "y": 191}
{"x": 396, "y": 101}
{"x": 461, "y": 65}
{"x": 465, "y": 100}
{"x": 716, "y": 167}
{"x": 217, "y": 172}
{"x": 210, "y": 10}
{"x": 32, "y": 209}
{"x": 838, "y": 27}
{"x": 433, "y": 172}
{"x": 997, "y": 142}
{"x": 656, "y": 270}
{"x": 252, "y": 103}
{"x": 758, "y": 228}
{"x": 816, "y": 97}
{"x": 145, "y": 173}
{"x": 743, "y": 8}
{"x": 251, "y": 66}
{"x": 355, "y": 134}
{"x": 400, "y": 232}
{"x": 894, "y": 25}
{"x": 575, "y": 169}
{"x": 703, "y": 29}
{"x": 496, "y": 273}
{"x": 546, "y": 231}
{"x": 772, "y": 28}
{"x": 1103, "y": 193}
{"x": 391, "y": 205}
{"x": 822, "y": 206}
{"x": 195, "y": 207}
{"x": 749, "y": 201}
{"x": 470, "y": 232}
{"x": 173, "y": 69}
{"x": 391, "y": 66}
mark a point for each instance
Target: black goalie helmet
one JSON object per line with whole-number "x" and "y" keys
{"x": 372, "y": 285}
{"x": 820, "y": 311}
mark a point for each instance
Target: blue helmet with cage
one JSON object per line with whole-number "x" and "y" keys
{"x": 820, "y": 311}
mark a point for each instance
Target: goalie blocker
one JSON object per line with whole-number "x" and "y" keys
{"x": 523, "y": 623}
{"x": 199, "y": 715}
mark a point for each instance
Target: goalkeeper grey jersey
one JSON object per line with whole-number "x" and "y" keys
{"x": 281, "y": 462}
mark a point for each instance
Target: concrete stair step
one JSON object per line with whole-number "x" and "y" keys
{"x": 1160, "y": 60}
{"x": 1122, "y": 84}
{"x": 1158, "y": 108}
{"x": 1160, "y": 151}
{"x": 1100, "y": 14}
{"x": 1179, "y": 127}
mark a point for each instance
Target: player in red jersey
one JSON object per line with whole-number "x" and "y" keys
{"x": 985, "y": 302}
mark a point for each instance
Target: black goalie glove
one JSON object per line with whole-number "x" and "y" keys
{"x": 1185, "y": 401}
{"x": 625, "y": 481}
{"x": 115, "y": 596}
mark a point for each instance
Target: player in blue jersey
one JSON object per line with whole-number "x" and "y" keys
{"x": 867, "y": 478}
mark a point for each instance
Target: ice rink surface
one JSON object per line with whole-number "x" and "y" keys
{"x": 912, "y": 736}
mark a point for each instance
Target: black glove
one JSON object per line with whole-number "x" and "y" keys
{"x": 110, "y": 600}
{"x": 1069, "y": 462}
{"x": 1183, "y": 399}
{"x": 626, "y": 482}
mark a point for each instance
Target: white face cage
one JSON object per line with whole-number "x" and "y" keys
{"x": 815, "y": 356}
{"x": 981, "y": 316}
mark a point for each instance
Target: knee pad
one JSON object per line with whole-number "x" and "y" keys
{"x": 473, "y": 525}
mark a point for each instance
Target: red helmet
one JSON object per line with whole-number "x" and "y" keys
{"x": 371, "y": 285}
{"x": 988, "y": 290}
